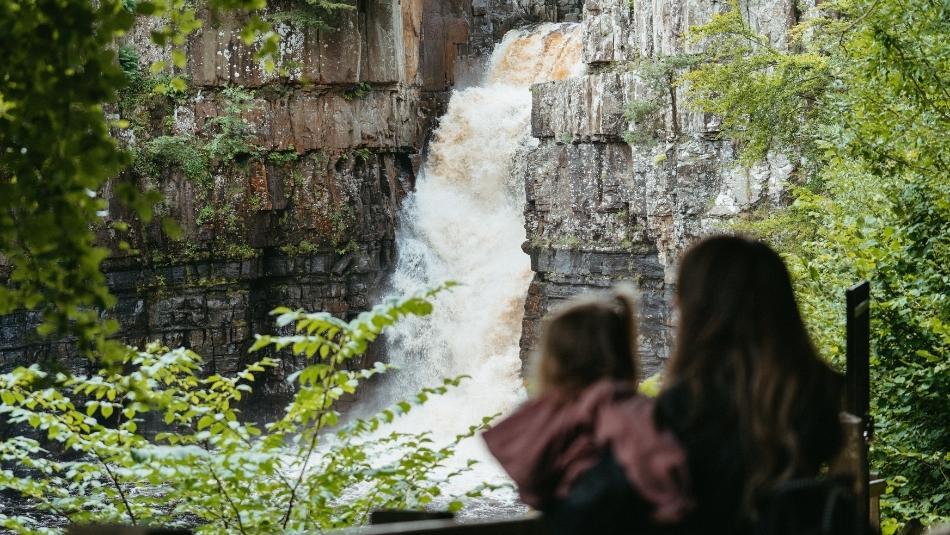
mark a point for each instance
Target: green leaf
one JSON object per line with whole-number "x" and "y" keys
{"x": 260, "y": 342}
{"x": 171, "y": 228}
{"x": 178, "y": 58}
{"x": 178, "y": 84}
{"x": 205, "y": 421}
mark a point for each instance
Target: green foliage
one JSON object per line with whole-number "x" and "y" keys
{"x": 779, "y": 89}
{"x": 865, "y": 99}
{"x": 283, "y": 157}
{"x": 303, "y": 248}
{"x": 651, "y": 385}
{"x": 638, "y": 112}
{"x": 319, "y": 14}
{"x": 171, "y": 152}
{"x": 56, "y": 154}
{"x": 227, "y": 141}
{"x": 660, "y": 78}
{"x": 59, "y": 69}
{"x": 358, "y": 91}
{"x": 209, "y": 468}
{"x": 129, "y": 61}
{"x": 661, "y": 73}
{"x": 342, "y": 221}
{"x": 233, "y": 138}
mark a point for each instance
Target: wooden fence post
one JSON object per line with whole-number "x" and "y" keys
{"x": 858, "y": 391}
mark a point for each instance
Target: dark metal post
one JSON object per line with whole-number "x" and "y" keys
{"x": 858, "y": 387}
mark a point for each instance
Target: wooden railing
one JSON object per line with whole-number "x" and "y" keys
{"x": 527, "y": 525}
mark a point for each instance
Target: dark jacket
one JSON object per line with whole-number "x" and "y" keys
{"x": 716, "y": 453}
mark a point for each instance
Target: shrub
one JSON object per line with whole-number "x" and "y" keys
{"x": 209, "y": 467}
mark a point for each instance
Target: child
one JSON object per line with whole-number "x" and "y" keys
{"x": 584, "y": 450}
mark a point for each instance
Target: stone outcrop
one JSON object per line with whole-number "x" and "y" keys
{"x": 624, "y": 176}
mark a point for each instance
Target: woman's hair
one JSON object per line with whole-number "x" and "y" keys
{"x": 741, "y": 342}
{"x": 590, "y": 338}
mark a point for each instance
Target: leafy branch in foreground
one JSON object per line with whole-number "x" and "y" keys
{"x": 90, "y": 460}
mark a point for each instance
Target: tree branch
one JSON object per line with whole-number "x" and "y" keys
{"x": 118, "y": 487}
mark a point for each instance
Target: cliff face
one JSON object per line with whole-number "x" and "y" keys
{"x": 625, "y": 176}
{"x": 491, "y": 19}
{"x": 286, "y": 185}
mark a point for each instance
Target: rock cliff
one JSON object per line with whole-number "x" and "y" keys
{"x": 286, "y": 185}
{"x": 625, "y": 176}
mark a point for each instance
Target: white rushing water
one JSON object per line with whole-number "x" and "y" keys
{"x": 465, "y": 222}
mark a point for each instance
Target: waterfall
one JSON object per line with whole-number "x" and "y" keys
{"x": 465, "y": 222}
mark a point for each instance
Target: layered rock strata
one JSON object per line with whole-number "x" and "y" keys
{"x": 491, "y": 19}
{"x": 625, "y": 176}
{"x": 286, "y": 185}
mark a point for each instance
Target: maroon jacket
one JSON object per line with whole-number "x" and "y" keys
{"x": 552, "y": 440}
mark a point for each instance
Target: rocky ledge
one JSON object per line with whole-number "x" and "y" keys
{"x": 625, "y": 176}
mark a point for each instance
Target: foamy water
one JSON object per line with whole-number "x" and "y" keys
{"x": 465, "y": 222}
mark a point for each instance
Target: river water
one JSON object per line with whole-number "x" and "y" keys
{"x": 465, "y": 222}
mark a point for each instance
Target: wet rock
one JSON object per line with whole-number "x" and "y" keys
{"x": 491, "y": 19}
{"x": 586, "y": 109}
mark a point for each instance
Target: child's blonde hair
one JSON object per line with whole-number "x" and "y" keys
{"x": 590, "y": 338}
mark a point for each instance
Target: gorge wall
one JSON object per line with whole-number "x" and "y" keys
{"x": 286, "y": 185}
{"x": 625, "y": 176}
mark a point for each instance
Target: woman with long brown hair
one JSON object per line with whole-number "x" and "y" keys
{"x": 745, "y": 392}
